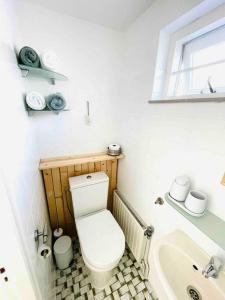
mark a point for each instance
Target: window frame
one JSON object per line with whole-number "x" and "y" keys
{"x": 193, "y": 30}
{"x": 212, "y": 37}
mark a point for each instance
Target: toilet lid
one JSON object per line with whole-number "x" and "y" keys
{"x": 62, "y": 244}
{"x": 101, "y": 238}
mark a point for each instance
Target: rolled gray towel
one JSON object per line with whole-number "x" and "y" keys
{"x": 29, "y": 57}
{"x": 56, "y": 102}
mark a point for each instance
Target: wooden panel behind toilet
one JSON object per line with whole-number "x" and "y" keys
{"x": 56, "y": 173}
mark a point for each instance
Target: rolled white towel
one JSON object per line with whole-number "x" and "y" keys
{"x": 35, "y": 100}
{"x": 49, "y": 60}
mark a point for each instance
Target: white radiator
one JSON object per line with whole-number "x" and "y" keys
{"x": 137, "y": 234}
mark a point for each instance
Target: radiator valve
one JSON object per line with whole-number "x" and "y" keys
{"x": 149, "y": 232}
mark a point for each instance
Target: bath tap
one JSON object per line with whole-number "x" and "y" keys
{"x": 213, "y": 268}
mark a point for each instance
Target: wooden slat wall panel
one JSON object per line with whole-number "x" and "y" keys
{"x": 59, "y": 197}
{"x": 64, "y": 186}
{"x": 71, "y": 171}
{"x": 47, "y": 175}
{"x": 114, "y": 175}
{"x": 98, "y": 166}
{"x": 60, "y": 211}
{"x": 91, "y": 167}
{"x": 113, "y": 181}
{"x": 56, "y": 182}
{"x": 84, "y": 168}
{"x": 103, "y": 166}
{"x": 70, "y": 220}
{"x": 68, "y": 225}
{"x": 108, "y": 172}
{"x": 78, "y": 170}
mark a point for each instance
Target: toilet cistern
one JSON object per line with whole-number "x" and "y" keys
{"x": 213, "y": 268}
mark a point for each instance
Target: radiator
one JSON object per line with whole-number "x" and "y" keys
{"x": 137, "y": 233}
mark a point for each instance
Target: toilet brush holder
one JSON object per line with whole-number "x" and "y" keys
{"x": 58, "y": 232}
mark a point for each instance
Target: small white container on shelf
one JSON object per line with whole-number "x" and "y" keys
{"x": 196, "y": 202}
{"x": 180, "y": 188}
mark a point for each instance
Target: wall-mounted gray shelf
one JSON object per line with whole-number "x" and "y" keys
{"x": 42, "y": 73}
{"x": 209, "y": 224}
{"x": 31, "y": 111}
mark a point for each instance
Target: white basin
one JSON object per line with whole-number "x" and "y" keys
{"x": 176, "y": 267}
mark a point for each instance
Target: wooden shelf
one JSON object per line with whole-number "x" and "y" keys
{"x": 65, "y": 161}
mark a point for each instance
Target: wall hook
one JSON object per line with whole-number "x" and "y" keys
{"x": 87, "y": 116}
{"x": 159, "y": 201}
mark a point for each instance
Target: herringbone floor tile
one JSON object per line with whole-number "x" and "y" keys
{"x": 126, "y": 283}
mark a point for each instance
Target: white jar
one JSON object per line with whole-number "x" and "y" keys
{"x": 196, "y": 202}
{"x": 180, "y": 188}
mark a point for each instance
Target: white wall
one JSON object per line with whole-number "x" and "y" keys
{"x": 90, "y": 56}
{"x": 162, "y": 141}
{"x": 19, "y": 160}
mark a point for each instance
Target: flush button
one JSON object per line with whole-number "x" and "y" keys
{"x": 89, "y": 177}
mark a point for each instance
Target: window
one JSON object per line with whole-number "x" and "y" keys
{"x": 200, "y": 67}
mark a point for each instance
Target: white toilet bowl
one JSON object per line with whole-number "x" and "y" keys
{"x": 63, "y": 252}
{"x": 102, "y": 245}
{"x": 101, "y": 238}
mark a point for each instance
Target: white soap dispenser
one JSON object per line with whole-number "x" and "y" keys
{"x": 180, "y": 188}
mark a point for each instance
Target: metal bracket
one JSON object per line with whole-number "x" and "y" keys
{"x": 24, "y": 73}
{"x": 52, "y": 80}
{"x": 159, "y": 201}
{"x": 149, "y": 232}
{"x": 38, "y": 234}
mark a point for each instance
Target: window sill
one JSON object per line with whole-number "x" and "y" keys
{"x": 220, "y": 97}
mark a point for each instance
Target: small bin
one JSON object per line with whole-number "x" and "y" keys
{"x": 63, "y": 252}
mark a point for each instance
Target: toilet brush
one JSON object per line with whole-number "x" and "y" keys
{"x": 58, "y": 231}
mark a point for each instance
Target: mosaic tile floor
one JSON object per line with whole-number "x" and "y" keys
{"x": 127, "y": 281}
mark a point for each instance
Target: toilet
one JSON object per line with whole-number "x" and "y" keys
{"x": 101, "y": 238}
{"x": 63, "y": 251}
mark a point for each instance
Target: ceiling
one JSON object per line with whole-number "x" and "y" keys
{"x": 116, "y": 14}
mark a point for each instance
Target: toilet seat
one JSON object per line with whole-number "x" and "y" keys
{"x": 102, "y": 240}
